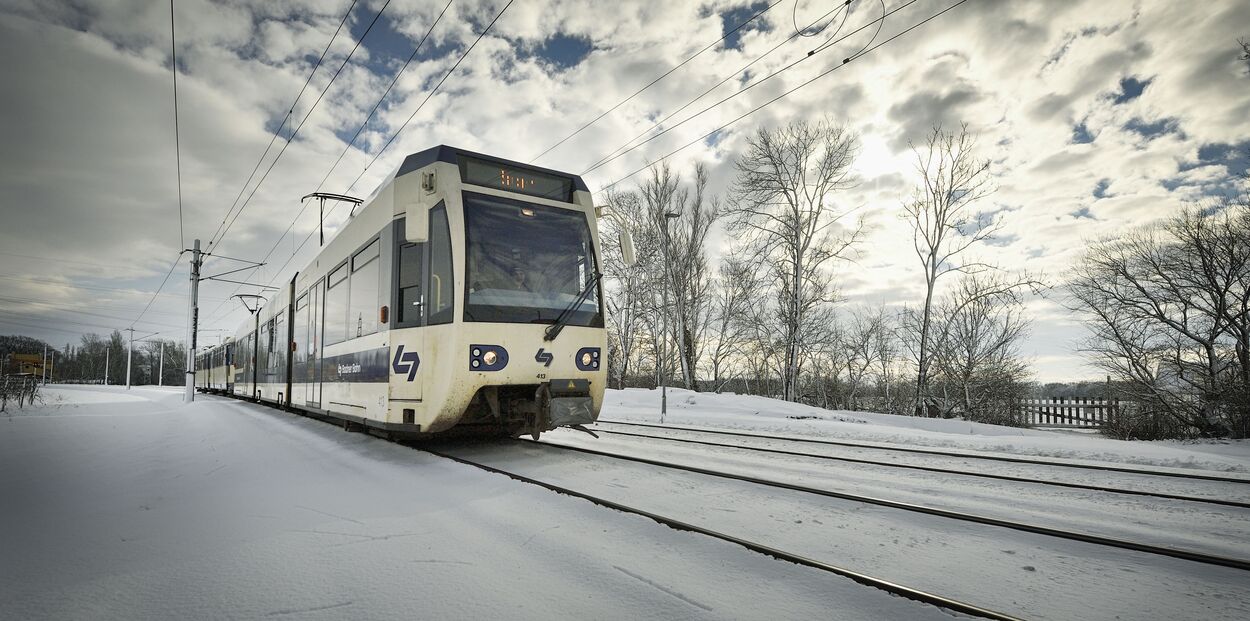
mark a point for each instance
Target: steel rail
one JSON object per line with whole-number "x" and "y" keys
{"x": 861, "y": 578}
{"x": 1188, "y": 555}
{"x": 1020, "y": 460}
{"x": 985, "y": 475}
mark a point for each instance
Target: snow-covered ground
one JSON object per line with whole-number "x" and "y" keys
{"x": 744, "y": 412}
{"x": 132, "y": 505}
{"x": 138, "y": 507}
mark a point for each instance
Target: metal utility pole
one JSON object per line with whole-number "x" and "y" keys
{"x": 106, "y": 364}
{"x": 160, "y": 375}
{"x": 668, "y": 215}
{"x": 130, "y": 347}
{"x": 193, "y": 315}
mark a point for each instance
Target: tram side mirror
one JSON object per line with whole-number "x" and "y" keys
{"x": 627, "y": 248}
{"x": 417, "y": 222}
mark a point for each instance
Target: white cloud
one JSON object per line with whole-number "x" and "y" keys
{"x": 87, "y": 163}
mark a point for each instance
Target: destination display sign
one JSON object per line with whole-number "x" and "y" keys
{"x": 515, "y": 179}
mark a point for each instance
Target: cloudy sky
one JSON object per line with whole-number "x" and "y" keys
{"x": 1097, "y": 116}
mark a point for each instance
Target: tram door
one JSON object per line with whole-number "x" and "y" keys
{"x": 314, "y": 321}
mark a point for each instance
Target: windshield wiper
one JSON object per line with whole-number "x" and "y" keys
{"x": 554, "y": 331}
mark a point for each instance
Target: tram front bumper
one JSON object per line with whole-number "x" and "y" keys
{"x": 570, "y": 403}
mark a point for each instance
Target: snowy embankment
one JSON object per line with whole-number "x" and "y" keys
{"x": 764, "y": 415}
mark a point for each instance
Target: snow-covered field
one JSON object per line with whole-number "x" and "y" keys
{"x": 133, "y": 505}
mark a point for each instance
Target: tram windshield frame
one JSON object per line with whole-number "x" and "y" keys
{"x": 526, "y": 263}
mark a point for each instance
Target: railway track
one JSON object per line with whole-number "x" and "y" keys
{"x": 901, "y": 449}
{"x": 859, "y": 577}
{"x": 985, "y": 475}
{"x": 1188, "y": 555}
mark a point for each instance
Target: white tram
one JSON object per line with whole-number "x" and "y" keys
{"x": 465, "y": 293}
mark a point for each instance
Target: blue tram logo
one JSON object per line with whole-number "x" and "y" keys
{"x": 406, "y": 363}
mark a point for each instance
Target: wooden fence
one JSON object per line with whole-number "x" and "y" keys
{"x": 1069, "y": 412}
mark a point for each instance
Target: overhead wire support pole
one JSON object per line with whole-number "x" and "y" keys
{"x": 130, "y": 348}
{"x": 193, "y": 312}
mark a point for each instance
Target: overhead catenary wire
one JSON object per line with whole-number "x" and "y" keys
{"x": 844, "y": 63}
{"x": 728, "y": 77}
{"x": 369, "y": 117}
{"x": 359, "y": 130}
{"x": 173, "y": 53}
{"x": 428, "y": 96}
{"x": 803, "y": 32}
{"x": 295, "y": 133}
{"x": 388, "y": 143}
{"x": 880, "y": 20}
{"x": 70, "y": 285}
{"x": 277, "y": 132}
{"x": 177, "y": 260}
{"x": 656, "y": 80}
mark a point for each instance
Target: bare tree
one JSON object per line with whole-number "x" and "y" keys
{"x": 627, "y": 290}
{"x": 976, "y": 358}
{"x": 861, "y": 349}
{"x": 783, "y": 207}
{"x": 1168, "y": 307}
{"x": 943, "y": 224}
{"x": 730, "y": 325}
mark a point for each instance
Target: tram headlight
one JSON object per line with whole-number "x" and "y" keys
{"x": 487, "y": 357}
{"x": 587, "y": 359}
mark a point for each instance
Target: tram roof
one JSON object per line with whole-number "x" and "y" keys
{"x": 444, "y": 153}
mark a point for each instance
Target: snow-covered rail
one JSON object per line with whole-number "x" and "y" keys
{"x": 862, "y": 578}
{"x": 908, "y": 466}
{"x": 1113, "y": 542}
{"x": 938, "y": 452}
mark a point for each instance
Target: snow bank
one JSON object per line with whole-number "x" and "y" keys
{"x": 765, "y": 415}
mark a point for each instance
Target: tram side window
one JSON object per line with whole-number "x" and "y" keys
{"x": 409, "y": 283}
{"x": 440, "y": 300}
{"x": 336, "y": 307}
{"x": 364, "y": 305}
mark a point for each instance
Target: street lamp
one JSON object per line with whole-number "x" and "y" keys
{"x": 668, "y": 215}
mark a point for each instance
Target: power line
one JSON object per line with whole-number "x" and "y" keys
{"x": 394, "y": 135}
{"x": 68, "y": 305}
{"x": 58, "y": 283}
{"x": 289, "y": 112}
{"x": 844, "y": 63}
{"x": 739, "y": 92}
{"x": 427, "y": 97}
{"x": 723, "y": 80}
{"x": 173, "y": 52}
{"x": 63, "y": 309}
{"x": 69, "y": 321}
{"x": 294, "y": 133}
{"x": 380, "y": 100}
{"x": 94, "y": 264}
{"x": 358, "y": 132}
{"x": 653, "y": 82}
{"x": 158, "y": 289}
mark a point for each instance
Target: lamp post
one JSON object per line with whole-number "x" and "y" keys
{"x": 668, "y": 215}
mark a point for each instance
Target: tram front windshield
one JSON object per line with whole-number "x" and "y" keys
{"x": 526, "y": 263}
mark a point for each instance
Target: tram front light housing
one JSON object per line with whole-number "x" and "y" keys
{"x": 487, "y": 357}
{"x": 587, "y": 359}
